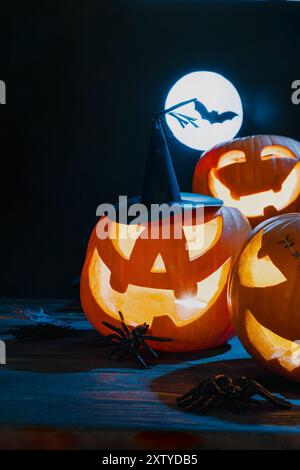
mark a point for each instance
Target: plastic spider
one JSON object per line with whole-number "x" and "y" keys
{"x": 131, "y": 341}
{"x": 213, "y": 391}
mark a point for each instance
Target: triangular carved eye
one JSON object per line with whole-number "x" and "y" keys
{"x": 255, "y": 271}
{"x": 276, "y": 151}
{"x": 124, "y": 237}
{"x": 201, "y": 238}
{"x": 231, "y": 157}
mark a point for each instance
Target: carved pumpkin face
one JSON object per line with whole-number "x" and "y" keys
{"x": 264, "y": 295}
{"x": 178, "y": 286}
{"x": 259, "y": 175}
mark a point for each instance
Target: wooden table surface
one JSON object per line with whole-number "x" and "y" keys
{"x": 60, "y": 391}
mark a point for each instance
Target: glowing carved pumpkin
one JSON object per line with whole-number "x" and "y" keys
{"x": 259, "y": 175}
{"x": 177, "y": 285}
{"x": 264, "y": 295}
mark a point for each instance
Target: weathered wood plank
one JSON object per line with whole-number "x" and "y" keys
{"x": 63, "y": 392}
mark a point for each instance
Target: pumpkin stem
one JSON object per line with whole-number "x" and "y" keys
{"x": 160, "y": 182}
{"x": 176, "y": 106}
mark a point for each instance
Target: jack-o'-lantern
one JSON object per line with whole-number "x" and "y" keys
{"x": 264, "y": 295}
{"x": 259, "y": 175}
{"x": 176, "y": 284}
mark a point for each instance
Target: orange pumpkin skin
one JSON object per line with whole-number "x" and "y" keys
{"x": 264, "y": 295}
{"x": 259, "y": 175}
{"x": 160, "y": 297}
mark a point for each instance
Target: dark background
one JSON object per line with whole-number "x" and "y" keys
{"x": 84, "y": 79}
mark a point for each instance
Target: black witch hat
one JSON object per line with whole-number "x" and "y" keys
{"x": 160, "y": 182}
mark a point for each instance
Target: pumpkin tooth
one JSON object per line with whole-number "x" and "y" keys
{"x": 235, "y": 196}
{"x": 269, "y": 212}
{"x": 277, "y": 187}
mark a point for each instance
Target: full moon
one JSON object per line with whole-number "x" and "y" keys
{"x": 206, "y": 110}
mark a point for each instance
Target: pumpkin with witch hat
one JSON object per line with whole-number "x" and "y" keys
{"x": 177, "y": 284}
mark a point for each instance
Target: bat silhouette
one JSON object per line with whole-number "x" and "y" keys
{"x": 211, "y": 116}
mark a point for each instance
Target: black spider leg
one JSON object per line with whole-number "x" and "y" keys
{"x": 202, "y": 400}
{"x": 196, "y": 401}
{"x": 124, "y": 326}
{"x": 114, "y": 328}
{"x": 195, "y": 393}
{"x": 116, "y": 338}
{"x": 204, "y": 406}
{"x": 118, "y": 351}
{"x": 247, "y": 386}
{"x": 254, "y": 388}
{"x": 138, "y": 357}
{"x": 191, "y": 392}
{"x": 110, "y": 338}
{"x": 155, "y": 338}
{"x": 150, "y": 350}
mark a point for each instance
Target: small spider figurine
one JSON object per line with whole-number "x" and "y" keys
{"x": 131, "y": 341}
{"x": 213, "y": 391}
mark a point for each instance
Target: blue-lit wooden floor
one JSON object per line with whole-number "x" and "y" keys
{"x": 63, "y": 393}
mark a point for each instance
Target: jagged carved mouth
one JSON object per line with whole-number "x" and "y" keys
{"x": 150, "y": 303}
{"x": 270, "y": 345}
{"x": 254, "y": 205}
